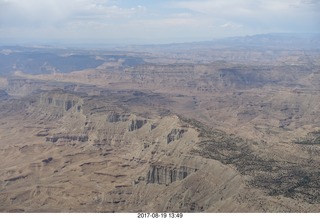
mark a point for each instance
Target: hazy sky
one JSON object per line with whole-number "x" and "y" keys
{"x": 152, "y": 21}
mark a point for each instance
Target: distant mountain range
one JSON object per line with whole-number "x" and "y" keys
{"x": 261, "y": 41}
{"x": 49, "y": 59}
{"x": 279, "y": 40}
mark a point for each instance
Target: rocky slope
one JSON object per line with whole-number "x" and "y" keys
{"x": 82, "y": 154}
{"x": 147, "y": 132}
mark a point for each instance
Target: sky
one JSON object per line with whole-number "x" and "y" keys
{"x": 151, "y": 21}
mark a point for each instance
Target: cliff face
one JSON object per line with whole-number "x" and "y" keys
{"x": 175, "y": 134}
{"x": 136, "y": 124}
{"x": 116, "y": 117}
{"x": 166, "y": 174}
{"x": 21, "y": 86}
{"x": 65, "y": 137}
{"x": 60, "y": 101}
{"x": 209, "y": 78}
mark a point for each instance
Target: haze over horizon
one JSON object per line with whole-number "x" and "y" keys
{"x": 144, "y": 22}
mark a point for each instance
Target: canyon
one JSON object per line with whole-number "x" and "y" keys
{"x": 214, "y": 127}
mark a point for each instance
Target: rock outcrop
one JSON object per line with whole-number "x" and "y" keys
{"x": 161, "y": 174}
{"x": 136, "y": 124}
{"x": 62, "y": 101}
{"x": 175, "y": 134}
{"x": 116, "y": 117}
{"x": 66, "y": 137}
{"x": 21, "y": 86}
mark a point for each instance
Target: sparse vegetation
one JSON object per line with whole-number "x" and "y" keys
{"x": 291, "y": 179}
{"x": 171, "y": 130}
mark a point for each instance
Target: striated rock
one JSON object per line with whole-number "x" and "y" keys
{"x": 165, "y": 174}
{"x": 63, "y": 101}
{"x": 55, "y": 138}
{"x": 136, "y": 124}
{"x": 22, "y": 86}
{"x": 175, "y": 134}
{"x": 116, "y": 117}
